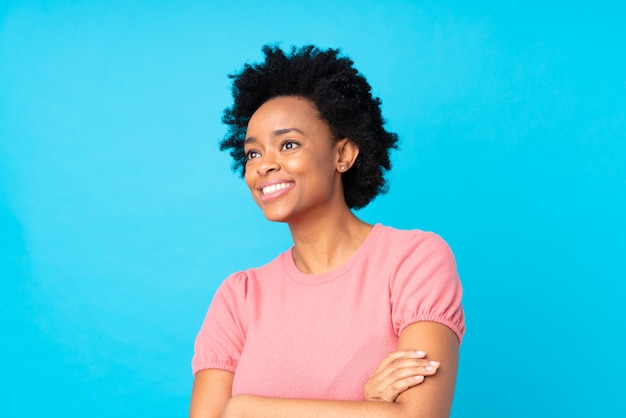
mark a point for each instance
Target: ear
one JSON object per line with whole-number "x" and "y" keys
{"x": 347, "y": 151}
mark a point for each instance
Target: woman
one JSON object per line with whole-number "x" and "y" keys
{"x": 308, "y": 334}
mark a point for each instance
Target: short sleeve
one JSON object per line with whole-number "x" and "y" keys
{"x": 425, "y": 285}
{"x": 221, "y": 338}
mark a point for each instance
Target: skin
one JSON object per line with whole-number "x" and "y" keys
{"x": 290, "y": 149}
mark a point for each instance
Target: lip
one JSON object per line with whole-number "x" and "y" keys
{"x": 277, "y": 189}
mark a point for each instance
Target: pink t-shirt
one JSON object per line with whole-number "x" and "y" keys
{"x": 287, "y": 334}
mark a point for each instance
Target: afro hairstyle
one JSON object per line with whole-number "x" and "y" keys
{"x": 343, "y": 99}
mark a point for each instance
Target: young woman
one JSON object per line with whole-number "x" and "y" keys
{"x": 355, "y": 320}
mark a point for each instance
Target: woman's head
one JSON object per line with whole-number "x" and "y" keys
{"x": 343, "y": 99}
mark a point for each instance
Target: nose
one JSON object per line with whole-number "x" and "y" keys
{"x": 267, "y": 165}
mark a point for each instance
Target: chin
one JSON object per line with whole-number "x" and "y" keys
{"x": 278, "y": 215}
{"x": 275, "y": 218}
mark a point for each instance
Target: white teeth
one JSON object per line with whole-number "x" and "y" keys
{"x": 274, "y": 187}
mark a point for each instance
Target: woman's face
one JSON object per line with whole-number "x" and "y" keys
{"x": 292, "y": 160}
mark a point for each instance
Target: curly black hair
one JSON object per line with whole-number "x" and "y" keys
{"x": 343, "y": 98}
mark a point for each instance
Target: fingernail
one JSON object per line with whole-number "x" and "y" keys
{"x": 419, "y": 378}
{"x": 420, "y": 353}
{"x": 429, "y": 368}
{"x": 434, "y": 363}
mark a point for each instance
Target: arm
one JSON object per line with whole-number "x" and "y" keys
{"x": 211, "y": 390}
{"x": 397, "y": 372}
{"x": 432, "y": 398}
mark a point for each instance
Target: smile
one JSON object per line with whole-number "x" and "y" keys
{"x": 274, "y": 188}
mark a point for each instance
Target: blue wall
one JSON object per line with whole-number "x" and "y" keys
{"x": 119, "y": 217}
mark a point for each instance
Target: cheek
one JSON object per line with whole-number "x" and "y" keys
{"x": 252, "y": 189}
{"x": 247, "y": 177}
{"x": 310, "y": 165}
{"x": 250, "y": 183}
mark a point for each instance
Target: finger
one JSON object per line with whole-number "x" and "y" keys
{"x": 391, "y": 392}
{"x": 403, "y": 373}
{"x": 402, "y": 379}
{"x": 393, "y": 381}
{"x": 400, "y": 386}
{"x": 398, "y": 371}
{"x": 411, "y": 362}
{"x": 401, "y": 368}
{"x": 399, "y": 354}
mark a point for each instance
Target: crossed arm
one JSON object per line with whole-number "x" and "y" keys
{"x": 432, "y": 397}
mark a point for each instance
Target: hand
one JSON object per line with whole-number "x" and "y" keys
{"x": 399, "y": 371}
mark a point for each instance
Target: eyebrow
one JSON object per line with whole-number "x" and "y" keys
{"x": 276, "y": 133}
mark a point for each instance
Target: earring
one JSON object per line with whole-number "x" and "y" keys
{"x": 341, "y": 168}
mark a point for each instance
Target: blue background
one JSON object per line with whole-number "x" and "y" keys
{"x": 119, "y": 217}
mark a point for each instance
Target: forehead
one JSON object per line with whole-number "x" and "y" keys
{"x": 283, "y": 112}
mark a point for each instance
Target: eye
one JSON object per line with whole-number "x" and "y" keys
{"x": 289, "y": 145}
{"x": 251, "y": 155}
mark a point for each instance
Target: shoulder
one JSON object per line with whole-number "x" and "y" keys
{"x": 391, "y": 248}
{"x": 244, "y": 281}
{"x": 419, "y": 258}
{"x": 403, "y": 241}
{"x": 424, "y": 281}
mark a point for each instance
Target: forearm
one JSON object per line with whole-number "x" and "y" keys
{"x": 430, "y": 399}
{"x": 248, "y": 406}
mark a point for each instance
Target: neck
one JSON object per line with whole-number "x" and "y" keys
{"x": 327, "y": 242}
